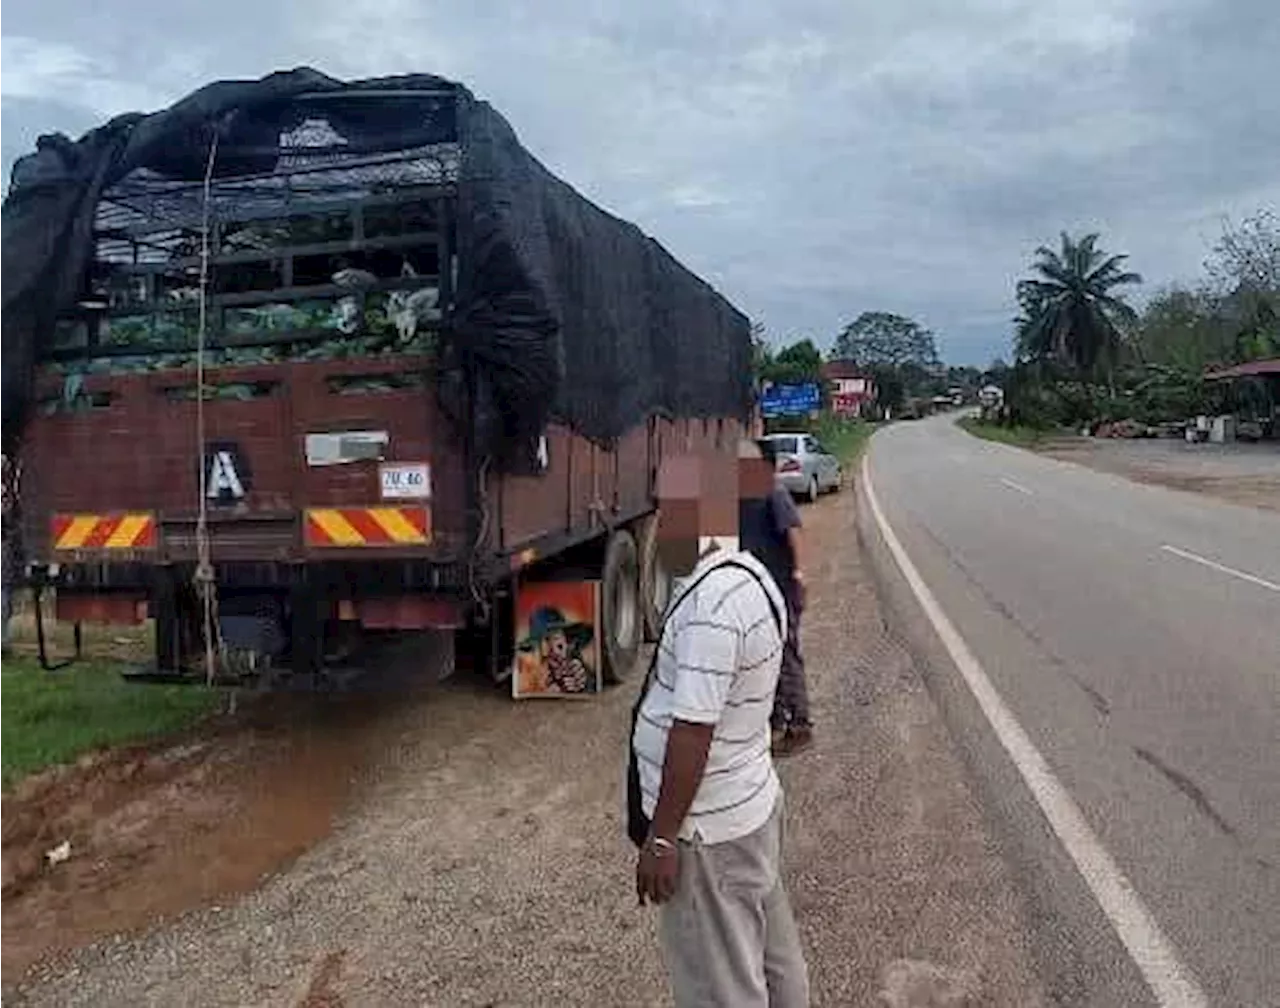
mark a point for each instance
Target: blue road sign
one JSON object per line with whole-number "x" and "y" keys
{"x": 791, "y": 400}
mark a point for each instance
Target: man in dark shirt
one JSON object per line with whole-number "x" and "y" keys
{"x": 770, "y": 529}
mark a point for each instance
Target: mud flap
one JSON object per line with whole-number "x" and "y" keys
{"x": 558, "y": 645}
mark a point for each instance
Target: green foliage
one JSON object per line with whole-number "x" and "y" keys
{"x": 1084, "y": 356}
{"x": 1247, "y": 255}
{"x": 1157, "y": 394}
{"x": 1069, "y": 309}
{"x": 799, "y": 362}
{"x": 842, "y": 437}
{"x": 1043, "y": 396}
{"x": 876, "y": 339}
{"x": 52, "y": 717}
{"x": 1182, "y": 328}
{"x": 1020, "y": 436}
{"x": 1195, "y": 329}
{"x": 793, "y": 364}
{"x": 891, "y": 389}
{"x": 899, "y": 353}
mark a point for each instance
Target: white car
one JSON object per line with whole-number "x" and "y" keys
{"x": 803, "y": 466}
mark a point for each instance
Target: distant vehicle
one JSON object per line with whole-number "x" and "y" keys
{"x": 804, "y": 467}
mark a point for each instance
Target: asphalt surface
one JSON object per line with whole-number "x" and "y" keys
{"x": 1134, "y": 633}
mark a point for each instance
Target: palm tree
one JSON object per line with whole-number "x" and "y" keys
{"x": 1070, "y": 313}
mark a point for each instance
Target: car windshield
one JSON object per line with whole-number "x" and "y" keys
{"x": 784, "y": 445}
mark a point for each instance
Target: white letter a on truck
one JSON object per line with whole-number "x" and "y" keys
{"x": 224, "y": 481}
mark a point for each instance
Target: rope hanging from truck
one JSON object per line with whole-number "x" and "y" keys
{"x": 206, "y": 584}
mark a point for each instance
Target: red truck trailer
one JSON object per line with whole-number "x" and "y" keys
{"x": 297, "y": 364}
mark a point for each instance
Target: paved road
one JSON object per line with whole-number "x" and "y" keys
{"x": 1134, "y": 634}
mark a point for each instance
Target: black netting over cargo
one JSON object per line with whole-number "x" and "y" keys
{"x": 335, "y": 209}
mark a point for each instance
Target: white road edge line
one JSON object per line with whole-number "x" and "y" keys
{"x": 1171, "y": 982}
{"x": 1015, "y": 486}
{"x": 1223, "y": 568}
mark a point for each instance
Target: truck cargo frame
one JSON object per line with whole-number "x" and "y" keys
{"x": 111, "y": 437}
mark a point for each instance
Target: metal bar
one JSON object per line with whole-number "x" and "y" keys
{"x": 356, "y": 244}
{"x": 292, "y": 206}
{"x": 376, "y": 93}
{"x": 238, "y": 341}
{"x": 317, "y": 291}
{"x": 41, "y": 643}
{"x": 444, "y": 252}
{"x": 408, "y": 153}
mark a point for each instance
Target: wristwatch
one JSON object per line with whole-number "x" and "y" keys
{"x": 660, "y": 847}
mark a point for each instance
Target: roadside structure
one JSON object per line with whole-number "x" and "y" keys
{"x": 1254, "y": 394}
{"x": 852, "y": 390}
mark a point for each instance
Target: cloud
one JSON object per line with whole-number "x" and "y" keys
{"x": 32, "y": 69}
{"x": 814, "y": 158}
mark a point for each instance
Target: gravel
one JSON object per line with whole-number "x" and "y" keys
{"x": 485, "y": 864}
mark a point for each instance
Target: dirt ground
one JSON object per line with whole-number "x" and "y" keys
{"x": 1240, "y": 473}
{"x": 454, "y": 848}
{"x": 157, "y": 830}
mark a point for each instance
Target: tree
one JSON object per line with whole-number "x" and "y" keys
{"x": 1070, "y": 311}
{"x": 799, "y": 362}
{"x": 1244, "y": 270}
{"x": 1247, "y": 255}
{"x": 876, "y": 339}
{"x": 1185, "y": 329}
{"x": 891, "y": 390}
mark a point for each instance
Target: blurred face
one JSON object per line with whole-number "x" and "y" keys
{"x": 698, "y": 510}
{"x": 679, "y": 544}
{"x": 755, "y": 474}
{"x": 555, "y": 645}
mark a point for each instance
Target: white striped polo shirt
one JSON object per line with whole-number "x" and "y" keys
{"x": 718, "y": 663}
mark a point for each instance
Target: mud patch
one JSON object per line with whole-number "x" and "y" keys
{"x": 157, "y": 830}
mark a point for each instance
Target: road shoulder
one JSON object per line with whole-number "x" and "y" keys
{"x": 485, "y": 863}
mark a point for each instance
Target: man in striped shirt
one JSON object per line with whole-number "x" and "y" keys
{"x": 712, "y": 857}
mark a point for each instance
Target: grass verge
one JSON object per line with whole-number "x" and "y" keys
{"x": 51, "y": 718}
{"x": 845, "y": 439}
{"x": 1019, "y": 437}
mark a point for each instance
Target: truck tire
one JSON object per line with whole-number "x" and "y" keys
{"x": 655, "y": 580}
{"x": 622, "y": 623}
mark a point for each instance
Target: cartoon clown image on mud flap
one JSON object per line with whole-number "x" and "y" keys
{"x": 556, "y": 641}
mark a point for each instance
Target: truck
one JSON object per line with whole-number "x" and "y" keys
{"x": 298, "y": 367}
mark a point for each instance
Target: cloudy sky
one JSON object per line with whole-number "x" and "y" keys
{"x": 812, "y": 158}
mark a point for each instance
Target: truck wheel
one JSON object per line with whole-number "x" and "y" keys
{"x": 655, "y": 580}
{"x": 623, "y": 624}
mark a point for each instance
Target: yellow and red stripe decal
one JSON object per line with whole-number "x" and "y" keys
{"x": 367, "y": 526}
{"x": 128, "y": 530}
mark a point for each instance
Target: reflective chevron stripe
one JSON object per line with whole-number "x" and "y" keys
{"x": 374, "y": 526}
{"x": 130, "y": 530}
